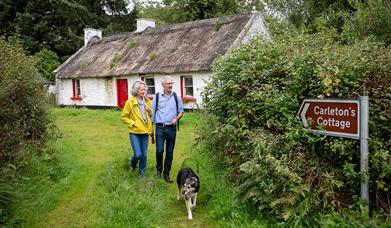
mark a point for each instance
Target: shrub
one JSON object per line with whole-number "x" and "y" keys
{"x": 253, "y": 99}
{"x": 23, "y": 116}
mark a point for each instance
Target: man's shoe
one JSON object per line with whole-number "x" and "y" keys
{"x": 131, "y": 168}
{"x": 168, "y": 179}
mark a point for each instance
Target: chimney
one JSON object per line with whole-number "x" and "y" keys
{"x": 89, "y": 33}
{"x": 143, "y": 24}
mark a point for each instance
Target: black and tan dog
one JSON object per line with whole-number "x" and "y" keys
{"x": 188, "y": 186}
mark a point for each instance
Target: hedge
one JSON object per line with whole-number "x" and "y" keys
{"x": 280, "y": 169}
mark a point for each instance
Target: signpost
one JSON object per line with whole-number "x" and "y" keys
{"x": 332, "y": 117}
{"x": 341, "y": 118}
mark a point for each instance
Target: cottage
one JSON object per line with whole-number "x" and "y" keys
{"x": 101, "y": 73}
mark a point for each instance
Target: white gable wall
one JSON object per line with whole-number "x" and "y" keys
{"x": 257, "y": 28}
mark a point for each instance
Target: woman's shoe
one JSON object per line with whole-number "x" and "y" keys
{"x": 168, "y": 179}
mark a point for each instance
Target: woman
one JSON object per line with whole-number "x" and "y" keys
{"x": 137, "y": 116}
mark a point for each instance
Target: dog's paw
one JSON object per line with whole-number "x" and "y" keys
{"x": 178, "y": 197}
{"x": 190, "y": 217}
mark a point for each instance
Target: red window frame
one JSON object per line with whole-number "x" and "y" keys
{"x": 76, "y": 90}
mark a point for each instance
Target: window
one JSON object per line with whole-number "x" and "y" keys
{"x": 142, "y": 77}
{"x": 151, "y": 85}
{"x": 76, "y": 89}
{"x": 78, "y": 93}
{"x": 188, "y": 86}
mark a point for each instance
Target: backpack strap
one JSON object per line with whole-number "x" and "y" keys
{"x": 157, "y": 103}
{"x": 176, "y": 103}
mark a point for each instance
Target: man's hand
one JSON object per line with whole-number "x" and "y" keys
{"x": 173, "y": 122}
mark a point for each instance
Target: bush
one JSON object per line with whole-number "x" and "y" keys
{"x": 23, "y": 116}
{"x": 253, "y": 99}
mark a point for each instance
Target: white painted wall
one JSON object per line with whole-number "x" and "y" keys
{"x": 64, "y": 91}
{"x": 144, "y": 23}
{"x": 89, "y": 33}
{"x": 103, "y": 91}
{"x": 94, "y": 92}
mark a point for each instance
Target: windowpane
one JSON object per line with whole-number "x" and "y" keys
{"x": 188, "y": 81}
{"x": 151, "y": 91}
{"x": 151, "y": 85}
{"x": 189, "y": 91}
{"x": 188, "y": 86}
{"x": 78, "y": 92}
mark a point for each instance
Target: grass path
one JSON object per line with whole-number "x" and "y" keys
{"x": 98, "y": 189}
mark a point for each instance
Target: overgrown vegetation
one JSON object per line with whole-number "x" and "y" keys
{"x": 320, "y": 49}
{"x": 281, "y": 170}
{"x": 24, "y": 120}
{"x": 152, "y": 56}
{"x": 132, "y": 44}
{"x": 23, "y": 112}
{"x": 118, "y": 57}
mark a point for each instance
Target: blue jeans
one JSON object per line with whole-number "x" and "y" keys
{"x": 166, "y": 134}
{"x": 139, "y": 144}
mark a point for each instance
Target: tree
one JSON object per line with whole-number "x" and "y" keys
{"x": 178, "y": 11}
{"x": 58, "y": 25}
{"x": 47, "y": 62}
{"x": 354, "y": 19}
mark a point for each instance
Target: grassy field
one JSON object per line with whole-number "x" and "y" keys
{"x": 89, "y": 184}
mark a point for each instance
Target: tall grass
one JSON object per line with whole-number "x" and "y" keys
{"x": 86, "y": 182}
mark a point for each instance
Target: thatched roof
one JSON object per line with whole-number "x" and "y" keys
{"x": 186, "y": 47}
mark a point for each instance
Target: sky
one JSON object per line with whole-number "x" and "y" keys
{"x": 131, "y": 5}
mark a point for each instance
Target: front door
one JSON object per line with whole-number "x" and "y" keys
{"x": 122, "y": 92}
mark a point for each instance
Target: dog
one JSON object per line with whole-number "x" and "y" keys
{"x": 188, "y": 186}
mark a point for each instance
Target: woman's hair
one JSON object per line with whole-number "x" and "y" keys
{"x": 136, "y": 86}
{"x": 165, "y": 78}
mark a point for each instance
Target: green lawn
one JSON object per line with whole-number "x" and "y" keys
{"x": 91, "y": 185}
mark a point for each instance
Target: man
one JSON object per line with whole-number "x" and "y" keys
{"x": 166, "y": 114}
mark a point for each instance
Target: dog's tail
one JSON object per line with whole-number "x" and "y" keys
{"x": 197, "y": 163}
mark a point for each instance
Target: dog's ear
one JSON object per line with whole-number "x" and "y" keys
{"x": 195, "y": 181}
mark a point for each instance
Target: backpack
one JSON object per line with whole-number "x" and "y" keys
{"x": 176, "y": 103}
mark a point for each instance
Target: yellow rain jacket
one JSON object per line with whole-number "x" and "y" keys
{"x": 131, "y": 117}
